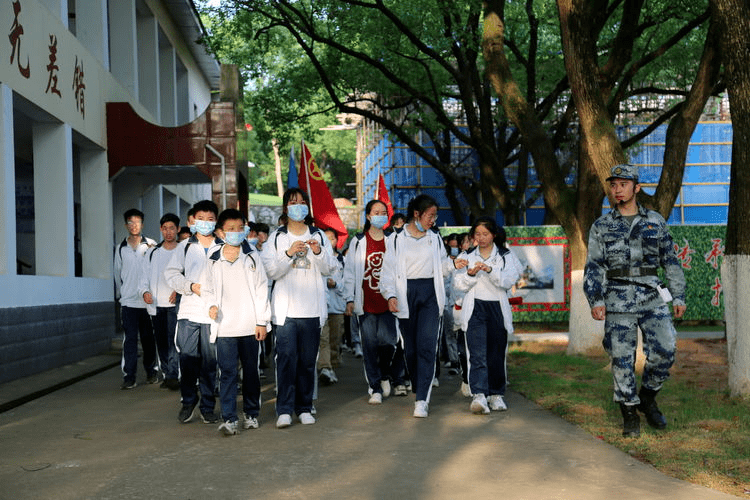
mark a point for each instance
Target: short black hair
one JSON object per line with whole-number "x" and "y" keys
{"x": 229, "y": 214}
{"x": 396, "y": 217}
{"x": 133, "y": 212}
{"x": 185, "y": 230}
{"x": 206, "y": 206}
{"x": 169, "y": 218}
{"x": 262, "y": 227}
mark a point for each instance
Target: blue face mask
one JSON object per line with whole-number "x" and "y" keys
{"x": 455, "y": 251}
{"x": 234, "y": 238}
{"x": 205, "y": 227}
{"x": 253, "y": 241}
{"x": 297, "y": 212}
{"x": 379, "y": 221}
{"x": 420, "y": 228}
{"x": 192, "y": 228}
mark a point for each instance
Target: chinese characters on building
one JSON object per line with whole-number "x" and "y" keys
{"x": 52, "y": 67}
{"x": 16, "y": 38}
{"x": 78, "y": 87}
{"x": 16, "y": 31}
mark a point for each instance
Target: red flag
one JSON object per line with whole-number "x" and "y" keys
{"x": 321, "y": 203}
{"x": 383, "y": 196}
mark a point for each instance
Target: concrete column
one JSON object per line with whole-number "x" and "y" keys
{"x": 152, "y": 203}
{"x": 91, "y": 28}
{"x": 96, "y": 215}
{"x": 167, "y": 82}
{"x": 53, "y": 199}
{"x": 148, "y": 63}
{"x": 7, "y": 184}
{"x": 123, "y": 46}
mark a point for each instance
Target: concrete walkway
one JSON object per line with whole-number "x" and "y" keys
{"x": 92, "y": 440}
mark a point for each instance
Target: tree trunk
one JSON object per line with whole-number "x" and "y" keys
{"x": 600, "y": 150}
{"x": 277, "y": 157}
{"x": 733, "y": 23}
{"x": 585, "y": 333}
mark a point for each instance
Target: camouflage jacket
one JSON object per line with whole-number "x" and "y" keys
{"x": 622, "y": 260}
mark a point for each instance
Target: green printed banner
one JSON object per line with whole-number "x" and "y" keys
{"x": 545, "y": 284}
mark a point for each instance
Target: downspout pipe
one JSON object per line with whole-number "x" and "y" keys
{"x": 223, "y": 176}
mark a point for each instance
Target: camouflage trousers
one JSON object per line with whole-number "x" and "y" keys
{"x": 621, "y": 340}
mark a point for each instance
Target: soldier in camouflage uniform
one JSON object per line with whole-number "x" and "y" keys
{"x": 626, "y": 248}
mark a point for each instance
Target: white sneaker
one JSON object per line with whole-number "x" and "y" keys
{"x": 375, "y": 399}
{"x": 400, "y": 390}
{"x": 465, "y": 390}
{"x": 327, "y": 376}
{"x": 435, "y": 382}
{"x": 479, "y": 405}
{"x": 497, "y": 403}
{"x": 357, "y": 351}
{"x": 386, "y": 386}
{"x": 333, "y": 376}
{"x": 420, "y": 409}
{"x": 306, "y": 418}
{"x": 284, "y": 420}
{"x": 228, "y": 428}
{"x": 250, "y": 422}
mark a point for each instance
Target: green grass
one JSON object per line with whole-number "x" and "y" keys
{"x": 707, "y": 441}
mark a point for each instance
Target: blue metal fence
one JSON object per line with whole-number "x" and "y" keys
{"x": 703, "y": 198}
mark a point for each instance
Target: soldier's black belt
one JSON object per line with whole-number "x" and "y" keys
{"x": 631, "y": 272}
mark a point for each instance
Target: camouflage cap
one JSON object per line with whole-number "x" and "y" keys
{"x": 624, "y": 171}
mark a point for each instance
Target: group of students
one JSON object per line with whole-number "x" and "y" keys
{"x": 223, "y": 293}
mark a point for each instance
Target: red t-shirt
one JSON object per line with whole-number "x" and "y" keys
{"x": 373, "y": 301}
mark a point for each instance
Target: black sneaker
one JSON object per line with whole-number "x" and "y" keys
{"x": 153, "y": 379}
{"x": 170, "y": 383}
{"x": 128, "y": 384}
{"x": 186, "y": 413}
{"x": 209, "y": 418}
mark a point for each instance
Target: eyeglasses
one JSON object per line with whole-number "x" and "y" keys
{"x": 431, "y": 217}
{"x": 134, "y": 223}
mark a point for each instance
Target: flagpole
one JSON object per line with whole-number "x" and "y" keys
{"x": 377, "y": 185}
{"x": 306, "y": 162}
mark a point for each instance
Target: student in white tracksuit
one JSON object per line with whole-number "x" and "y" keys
{"x": 362, "y": 273}
{"x": 128, "y": 269}
{"x": 160, "y": 299}
{"x": 236, "y": 295}
{"x": 197, "y": 354}
{"x": 485, "y": 313}
{"x": 412, "y": 283}
{"x": 296, "y": 256}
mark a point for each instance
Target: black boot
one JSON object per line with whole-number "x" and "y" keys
{"x": 649, "y": 409}
{"x": 631, "y": 426}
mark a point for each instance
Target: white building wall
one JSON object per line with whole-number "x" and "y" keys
{"x": 79, "y": 118}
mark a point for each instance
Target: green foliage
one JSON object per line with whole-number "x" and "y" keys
{"x": 279, "y": 102}
{"x": 417, "y": 66}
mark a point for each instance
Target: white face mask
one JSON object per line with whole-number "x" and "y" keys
{"x": 297, "y": 212}
{"x": 234, "y": 238}
{"x": 379, "y": 221}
